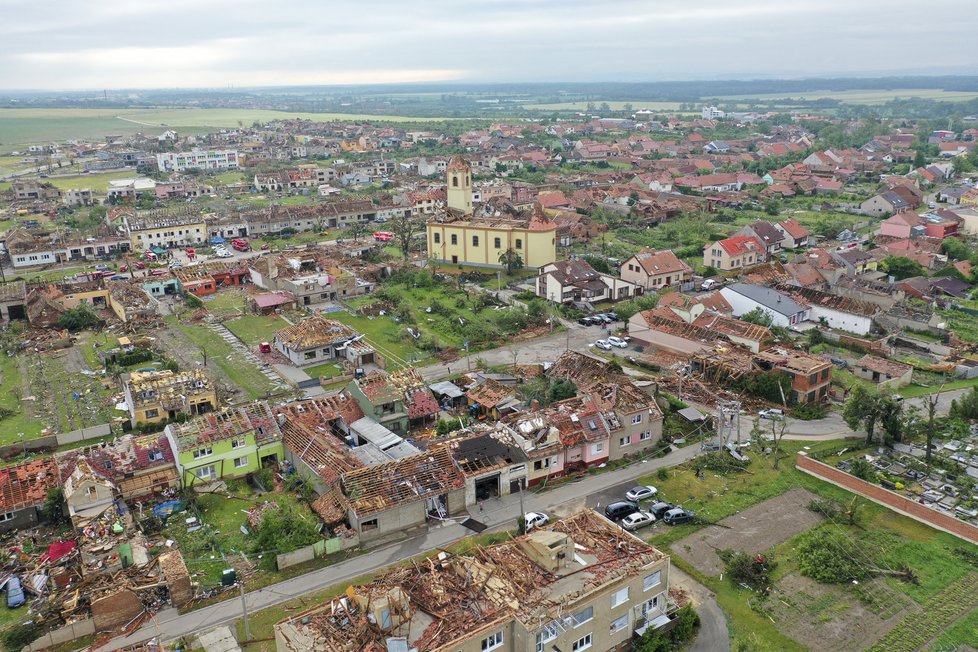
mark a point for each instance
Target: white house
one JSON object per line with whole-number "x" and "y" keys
{"x": 784, "y": 310}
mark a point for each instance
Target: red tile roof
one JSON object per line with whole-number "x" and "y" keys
{"x": 741, "y": 244}
{"x": 27, "y": 483}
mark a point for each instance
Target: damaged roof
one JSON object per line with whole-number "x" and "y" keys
{"x": 315, "y": 332}
{"x": 400, "y": 482}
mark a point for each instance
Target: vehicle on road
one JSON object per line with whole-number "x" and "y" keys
{"x": 604, "y": 345}
{"x": 101, "y": 268}
{"x": 620, "y": 509}
{"x": 383, "y": 236}
{"x": 641, "y": 492}
{"x": 678, "y": 516}
{"x": 265, "y": 347}
{"x": 708, "y": 284}
{"x": 617, "y": 341}
{"x": 223, "y": 253}
{"x": 709, "y": 446}
{"x": 775, "y": 414}
{"x": 149, "y": 255}
{"x": 140, "y": 264}
{"x": 157, "y": 272}
{"x": 637, "y": 520}
{"x": 536, "y": 520}
{"x": 659, "y": 509}
{"x": 174, "y": 264}
{"x": 240, "y": 245}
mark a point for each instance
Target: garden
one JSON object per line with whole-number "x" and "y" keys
{"x": 797, "y": 563}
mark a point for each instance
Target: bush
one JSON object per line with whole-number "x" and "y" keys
{"x": 752, "y": 570}
{"x": 863, "y": 470}
{"x": 687, "y": 620}
{"x": 662, "y": 474}
{"x": 720, "y": 462}
{"x": 192, "y": 301}
{"x": 809, "y": 411}
{"x": 17, "y": 637}
{"x": 827, "y": 508}
{"x": 78, "y": 319}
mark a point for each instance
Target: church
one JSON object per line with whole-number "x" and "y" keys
{"x": 490, "y": 235}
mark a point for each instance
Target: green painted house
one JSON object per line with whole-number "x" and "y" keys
{"x": 381, "y": 396}
{"x": 227, "y": 444}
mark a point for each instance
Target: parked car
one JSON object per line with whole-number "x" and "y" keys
{"x": 603, "y": 318}
{"x": 708, "y": 284}
{"x": 223, "y": 253}
{"x": 15, "y": 593}
{"x": 659, "y": 509}
{"x": 617, "y": 341}
{"x": 709, "y": 446}
{"x": 774, "y": 414}
{"x": 637, "y": 520}
{"x": 265, "y": 347}
{"x": 585, "y": 321}
{"x": 604, "y": 345}
{"x": 610, "y": 316}
{"x": 140, "y": 264}
{"x": 641, "y": 492}
{"x": 101, "y": 268}
{"x": 620, "y": 509}
{"x": 535, "y": 520}
{"x": 123, "y": 268}
{"x": 174, "y": 264}
{"x": 157, "y": 272}
{"x": 678, "y": 516}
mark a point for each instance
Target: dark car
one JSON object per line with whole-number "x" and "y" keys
{"x": 585, "y": 321}
{"x": 620, "y": 509}
{"x": 659, "y": 509}
{"x": 678, "y": 516}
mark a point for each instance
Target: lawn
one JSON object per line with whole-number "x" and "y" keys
{"x": 223, "y": 515}
{"x": 911, "y": 391}
{"x": 11, "y": 382}
{"x": 25, "y": 126}
{"x": 384, "y": 335}
{"x": 241, "y": 372}
{"x": 254, "y": 329}
{"x": 716, "y": 496}
{"x": 99, "y": 181}
{"x": 226, "y": 303}
{"x": 327, "y": 370}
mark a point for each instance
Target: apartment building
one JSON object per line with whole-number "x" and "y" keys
{"x": 202, "y": 159}
{"x": 581, "y": 584}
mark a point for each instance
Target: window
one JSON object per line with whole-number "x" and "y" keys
{"x": 625, "y": 441}
{"x": 368, "y": 525}
{"x": 546, "y": 635}
{"x": 597, "y": 448}
{"x": 155, "y": 455}
{"x": 437, "y": 238}
{"x": 498, "y": 243}
{"x": 582, "y": 643}
{"x": 237, "y": 443}
{"x": 205, "y": 472}
{"x": 650, "y": 605}
{"x": 539, "y": 465}
{"x": 652, "y": 580}
{"x": 152, "y": 414}
{"x": 812, "y": 378}
{"x": 619, "y": 624}
{"x": 519, "y": 243}
{"x": 203, "y": 452}
{"x": 636, "y": 418}
{"x": 9, "y": 516}
{"x": 582, "y": 616}
{"x": 241, "y": 462}
{"x": 645, "y": 436}
{"x": 475, "y": 241}
{"x": 92, "y": 492}
{"x": 619, "y": 597}
{"x": 492, "y": 642}
{"x": 454, "y": 239}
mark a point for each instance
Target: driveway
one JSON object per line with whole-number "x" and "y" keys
{"x": 713, "y": 635}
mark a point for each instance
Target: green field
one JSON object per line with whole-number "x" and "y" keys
{"x": 24, "y": 126}
{"x": 98, "y": 181}
{"x": 863, "y": 97}
{"x": 615, "y": 106}
{"x": 253, "y": 329}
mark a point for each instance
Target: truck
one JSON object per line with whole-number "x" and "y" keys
{"x": 383, "y": 236}
{"x": 240, "y": 245}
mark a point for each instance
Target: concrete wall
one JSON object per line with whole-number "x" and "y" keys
{"x": 67, "y": 633}
{"x": 316, "y": 550}
{"x": 894, "y": 501}
{"x": 84, "y": 434}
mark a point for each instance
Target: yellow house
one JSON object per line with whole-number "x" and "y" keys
{"x": 458, "y": 236}
{"x": 178, "y": 231}
{"x": 153, "y": 396}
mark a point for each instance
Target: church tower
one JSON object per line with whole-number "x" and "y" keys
{"x": 460, "y": 185}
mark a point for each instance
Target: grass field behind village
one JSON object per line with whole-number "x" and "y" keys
{"x": 24, "y": 126}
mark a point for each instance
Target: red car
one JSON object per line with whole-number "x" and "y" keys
{"x": 157, "y": 272}
{"x": 123, "y": 268}
{"x": 264, "y": 247}
{"x": 140, "y": 264}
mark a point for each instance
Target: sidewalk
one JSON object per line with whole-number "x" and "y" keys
{"x": 498, "y": 513}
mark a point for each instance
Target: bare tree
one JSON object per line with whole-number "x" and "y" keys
{"x": 932, "y": 401}
{"x": 778, "y": 429}
{"x": 405, "y": 229}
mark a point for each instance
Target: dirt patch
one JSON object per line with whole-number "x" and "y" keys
{"x": 756, "y": 529}
{"x": 827, "y": 617}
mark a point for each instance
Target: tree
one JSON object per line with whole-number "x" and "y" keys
{"x": 285, "y": 529}
{"x": 956, "y": 248}
{"x": 861, "y": 410}
{"x": 825, "y": 554}
{"x": 772, "y": 206}
{"x": 965, "y": 407}
{"x": 778, "y": 428}
{"x": 53, "y": 511}
{"x": 78, "y": 319}
{"x": 900, "y": 267}
{"x": 357, "y": 230}
{"x": 405, "y": 229}
{"x": 511, "y": 259}
{"x": 758, "y": 316}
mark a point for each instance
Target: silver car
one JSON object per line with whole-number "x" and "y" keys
{"x": 637, "y": 520}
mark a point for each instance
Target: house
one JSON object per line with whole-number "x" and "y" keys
{"x": 888, "y": 202}
{"x": 492, "y": 463}
{"x": 766, "y": 233}
{"x": 810, "y": 375}
{"x": 138, "y": 466}
{"x": 229, "y": 443}
{"x": 215, "y": 159}
{"x": 689, "y": 307}
{"x": 491, "y": 399}
{"x": 668, "y": 333}
{"x": 856, "y": 261}
{"x": 579, "y": 584}
{"x": 750, "y": 336}
{"x": 571, "y": 281}
{"x": 794, "y": 234}
{"x": 652, "y": 270}
{"x": 154, "y": 396}
{"x": 883, "y": 372}
{"x": 87, "y": 493}
{"x": 380, "y": 396}
{"x": 783, "y": 310}
{"x": 902, "y": 225}
{"x": 460, "y": 237}
{"x": 24, "y": 488}
{"x": 320, "y": 339}
{"x": 832, "y": 310}
{"x": 735, "y": 252}
{"x": 395, "y": 496}
{"x": 267, "y": 303}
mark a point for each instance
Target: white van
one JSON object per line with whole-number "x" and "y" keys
{"x": 708, "y": 284}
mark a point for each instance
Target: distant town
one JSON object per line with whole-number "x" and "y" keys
{"x": 601, "y": 377}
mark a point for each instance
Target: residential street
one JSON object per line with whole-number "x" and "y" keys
{"x": 499, "y": 513}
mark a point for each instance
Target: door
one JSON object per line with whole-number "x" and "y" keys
{"x": 454, "y": 260}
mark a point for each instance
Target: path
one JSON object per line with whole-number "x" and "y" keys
{"x": 713, "y": 635}
{"x": 498, "y": 514}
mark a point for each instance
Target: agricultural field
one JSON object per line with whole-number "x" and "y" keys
{"x": 25, "y": 126}
{"x": 767, "y": 511}
{"x": 97, "y": 181}
{"x": 615, "y": 106}
{"x": 862, "y": 97}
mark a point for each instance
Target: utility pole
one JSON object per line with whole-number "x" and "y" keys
{"x": 244, "y": 612}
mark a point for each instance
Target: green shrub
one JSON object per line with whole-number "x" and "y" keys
{"x": 830, "y": 556}
{"x": 16, "y": 637}
{"x": 809, "y": 411}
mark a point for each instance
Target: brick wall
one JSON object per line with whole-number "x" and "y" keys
{"x": 887, "y": 498}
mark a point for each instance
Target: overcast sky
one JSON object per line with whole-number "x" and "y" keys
{"x": 62, "y": 44}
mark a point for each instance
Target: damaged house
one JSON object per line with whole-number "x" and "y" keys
{"x": 319, "y": 339}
